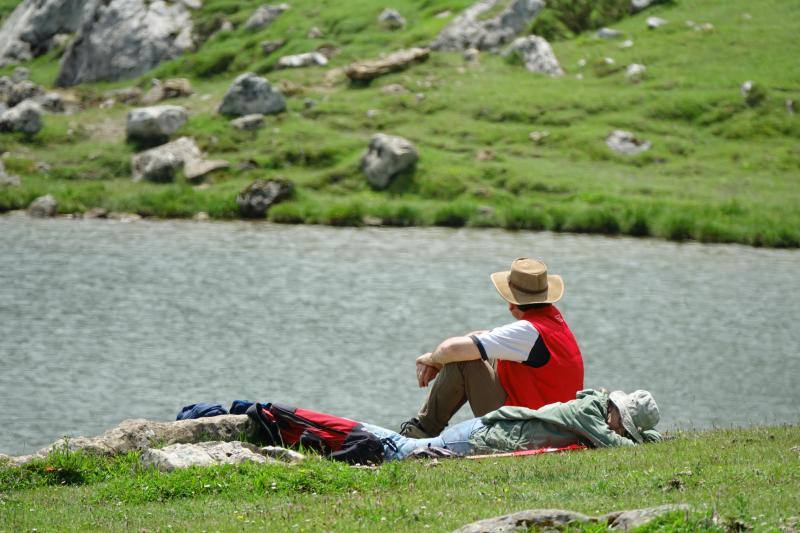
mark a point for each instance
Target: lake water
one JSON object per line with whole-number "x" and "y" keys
{"x": 102, "y": 321}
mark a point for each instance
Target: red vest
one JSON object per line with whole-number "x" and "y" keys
{"x": 559, "y": 378}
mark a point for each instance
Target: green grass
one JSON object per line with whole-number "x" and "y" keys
{"x": 720, "y": 170}
{"x": 750, "y": 476}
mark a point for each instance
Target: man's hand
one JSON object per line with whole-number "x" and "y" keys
{"x": 427, "y": 370}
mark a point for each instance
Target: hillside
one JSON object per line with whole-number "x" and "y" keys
{"x": 499, "y": 146}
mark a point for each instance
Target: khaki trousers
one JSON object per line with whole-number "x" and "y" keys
{"x": 474, "y": 381}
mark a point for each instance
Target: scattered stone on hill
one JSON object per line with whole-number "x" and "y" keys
{"x": 402, "y": 59}
{"x": 8, "y": 180}
{"x": 635, "y": 72}
{"x": 538, "y": 136}
{"x": 307, "y": 59}
{"x": 43, "y": 207}
{"x": 315, "y": 33}
{"x": 627, "y": 43}
{"x": 263, "y": 16}
{"x": 705, "y": 26}
{"x": 160, "y": 164}
{"x": 638, "y": 5}
{"x": 752, "y": 93}
{"x": 608, "y": 33}
{"x": 536, "y": 54}
{"x": 391, "y": 19}
{"x": 250, "y": 94}
{"x": 126, "y": 95}
{"x": 655, "y": 22}
{"x": 471, "y": 30}
{"x": 394, "y": 88}
{"x": 155, "y": 124}
{"x": 196, "y": 169}
{"x": 443, "y": 14}
{"x": 472, "y": 55}
{"x": 557, "y": 519}
{"x": 21, "y": 91}
{"x": 51, "y": 102}
{"x": 282, "y": 454}
{"x": 626, "y": 143}
{"x": 171, "y": 88}
{"x": 25, "y": 117}
{"x": 270, "y": 46}
{"x": 259, "y": 196}
{"x": 121, "y": 39}
{"x": 387, "y": 156}
{"x": 20, "y": 74}
{"x": 290, "y": 88}
{"x": 29, "y": 30}
{"x": 790, "y": 106}
{"x": 249, "y": 122}
{"x": 176, "y": 456}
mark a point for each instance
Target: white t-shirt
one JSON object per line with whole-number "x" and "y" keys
{"x": 518, "y": 341}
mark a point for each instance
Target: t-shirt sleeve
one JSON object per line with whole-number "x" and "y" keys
{"x": 512, "y": 342}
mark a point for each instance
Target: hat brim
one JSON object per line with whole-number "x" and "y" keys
{"x": 619, "y": 397}
{"x": 555, "y": 290}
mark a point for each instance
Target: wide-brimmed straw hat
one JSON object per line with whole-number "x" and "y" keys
{"x": 638, "y": 411}
{"x": 528, "y": 283}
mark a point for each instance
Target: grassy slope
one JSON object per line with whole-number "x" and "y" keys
{"x": 718, "y": 170}
{"x": 749, "y": 475}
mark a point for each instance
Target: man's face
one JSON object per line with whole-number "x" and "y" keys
{"x": 614, "y": 420}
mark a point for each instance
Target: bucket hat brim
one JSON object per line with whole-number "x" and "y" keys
{"x": 554, "y": 292}
{"x": 619, "y": 399}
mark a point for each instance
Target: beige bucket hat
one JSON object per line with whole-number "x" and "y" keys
{"x": 638, "y": 411}
{"x": 528, "y": 283}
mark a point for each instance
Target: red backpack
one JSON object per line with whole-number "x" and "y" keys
{"x": 337, "y": 438}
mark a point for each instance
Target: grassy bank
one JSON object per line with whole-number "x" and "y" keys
{"x": 749, "y": 477}
{"x": 719, "y": 169}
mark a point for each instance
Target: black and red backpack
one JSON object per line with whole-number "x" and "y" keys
{"x": 334, "y": 437}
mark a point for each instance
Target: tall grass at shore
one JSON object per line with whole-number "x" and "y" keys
{"x": 732, "y": 478}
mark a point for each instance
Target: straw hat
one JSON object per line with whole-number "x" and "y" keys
{"x": 528, "y": 283}
{"x": 638, "y": 411}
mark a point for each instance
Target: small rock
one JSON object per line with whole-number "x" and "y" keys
{"x": 96, "y": 212}
{"x": 538, "y": 136}
{"x": 315, "y": 33}
{"x": 372, "y": 113}
{"x": 626, "y": 143}
{"x": 536, "y": 54}
{"x": 655, "y": 22}
{"x": 309, "y": 103}
{"x": 249, "y": 122}
{"x": 327, "y": 49}
{"x": 124, "y": 217}
{"x": 608, "y": 33}
{"x": 226, "y": 25}
{"x": 472, "y": 55}
{"x": 155, "y": 123}
{"x": 202, "y": 216}
{"x": 394, "y": 88}
{"x": 302, "y": 60}
{"x": 705, "y": 26}
{"x": 369, "y": 220}
{"x": 443, "y": 14}
{"x": 635, "y": 72}
{"x": 194, "y": 169}
{"x": 250, "y": 94}
{"x": 43, "y": 207}
{"x": 177, "y": 456}
{"x": 484, "y": 154}
{"x": 638, "y": 5}
{"x": 263, "y": 16}
{"x": 247, "y": 164}
{"x": 43, "y": 167}
{"x": 21, "y": 91}
{"x": 256, "y": 198}
{"x": 790, "y": 107}
{"x": 627, "y": 43}
{"x": 25, "y": 117}
{"x": 400, "y": 60}
{"x": 581, "y": 63}
{"x": 171, "y": 88}
{"x": 270, "y": 46}
{"x": 387, "y": 156}
{"x": 391, "y": 19}
{"x": 126, "y": 95}
{"x": 608, "y": 60}
{"x": 160, "y": 164}
{"x": 52, "y": 102}
{"x": 20, "y": 74}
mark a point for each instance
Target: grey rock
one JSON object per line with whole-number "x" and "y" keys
{"x": 51, "y": 102}
{"x": 315, "y": 33}
{"x": 536, "y": 54}
{"x": 162, "y": 162}
{"x": 302, "y": 60}
{"x": 195, "y": 169}
{"x": 282, "y": 454}
{"x": 525, "y": 521}
{"x": 400, "y": 60}
{"x": 655, "y": 22}
{"x": 25, "y": 118}
{"x": 201, "y": 454}
{"x": 471, "y": 30}
{"x": 472, "y": 55}
{"x": 249, "y": 122}
{"x": 20, "y": 74}
{"x": 628, "y": 520}
{"x": 21, "y": 91}
{"x": 155, "y": 123}
{"x": 270, "y": 46}
{"x": 259, "y": 196}
{"x": 30, "y": 28}
{"x": 626, "y": 143}
{"x": 386, "y": 156}
{"x": 608, "y": 33}
{"x": 96, "y": 212}
{"x": 263, "y": 16}
{"x": 43, "y": 207}
{"x": 391, "y": 19}
{"x": 7, "y": 180}
{"x": 635, "y": 72}
{"x": 638, "y": 5}
{"x": 171, "y": 88}
{"x": 120, "y": 39}
{"x": 250, "y": 94}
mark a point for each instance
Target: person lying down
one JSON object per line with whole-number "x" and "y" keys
{"x": 594, "y": 418}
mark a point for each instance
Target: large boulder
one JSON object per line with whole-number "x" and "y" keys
{"x": 365, "y": 71}
{"x": 473, "y": 29}
{"x": 43, "y": 207}
{"x": 24, "y": 118}
{"x": 120, "y": 39}
{"x": 387, "y": 156}
{"x": 251, "y": 94}
{"x": 155, "y": 124}
{"x": 536, "y": 54}
{"x": 161, "y": 164}
{"x": 263, "y": 16}
{"x": 256, "y": 198}
{"x": 29, "y": 30}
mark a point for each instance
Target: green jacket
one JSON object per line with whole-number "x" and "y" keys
{"x": 578, "y": 421}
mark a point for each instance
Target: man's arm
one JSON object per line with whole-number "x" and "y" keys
{"x": 451, "y": 350}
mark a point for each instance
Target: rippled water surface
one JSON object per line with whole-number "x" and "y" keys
{"x": 102, "y": 321}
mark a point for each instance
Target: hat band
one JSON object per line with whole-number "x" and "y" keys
{"x": 522, "y": 289}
